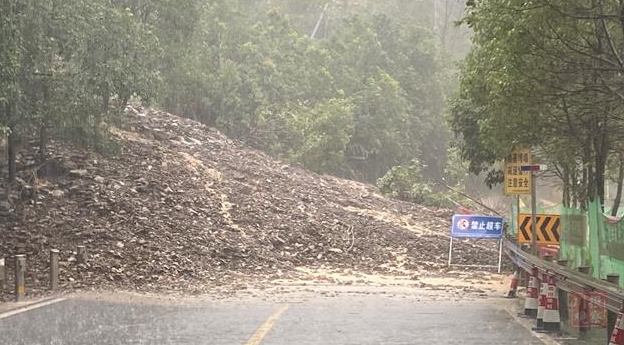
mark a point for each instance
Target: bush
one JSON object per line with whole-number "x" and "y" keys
{"x": 406, "y": 183}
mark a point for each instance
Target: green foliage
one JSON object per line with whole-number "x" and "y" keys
{"x": 456, "y": 172}
{"x": 544, "y": 76}
{"x": 258, "y": 79}
{"x": 395, "y": 76}
{"x": 364, "y": 95}
{"x": 324, "y": 131}
{"x": 465, "y": 119}
{"x": 69, "y": 66}
{"x": 381, "y": 137}
{"x": 407, "y": 183}
{"x": 399, "y": 182}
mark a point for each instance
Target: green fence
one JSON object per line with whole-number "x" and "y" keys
{"x": 588, "y": 238}
{"x": 574, "y": 238}
{"x": 592, "y": 239}
{"x": 609, "y": 249}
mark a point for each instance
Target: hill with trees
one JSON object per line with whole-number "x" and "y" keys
{"x": 364, "y": 95}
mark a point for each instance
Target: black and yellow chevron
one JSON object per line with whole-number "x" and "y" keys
{"x": 548, "y": 228}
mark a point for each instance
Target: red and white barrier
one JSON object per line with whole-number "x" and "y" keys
{"x": 513, "y": 286}
{"x": 530, "y": 302}
{"x": 617, "y": 337}
{"x": 552, "y": 319}
{"x": 541, "y": 305}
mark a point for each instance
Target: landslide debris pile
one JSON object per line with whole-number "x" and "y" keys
{"x": 181, "y": 207}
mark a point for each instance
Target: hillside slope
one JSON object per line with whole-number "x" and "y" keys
{"x": 182, "y": 207}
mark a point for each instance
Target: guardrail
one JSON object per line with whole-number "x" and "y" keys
{"x": 566, "y": 279}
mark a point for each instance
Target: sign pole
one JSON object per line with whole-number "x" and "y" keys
{"x": 533, "y": 215}
{"x": 518, "y": 219}
{"x": 477, "y": 226}
{"x": 500, "y": 254}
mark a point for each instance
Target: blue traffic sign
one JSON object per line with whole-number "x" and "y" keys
{"x": 474, "y": 226}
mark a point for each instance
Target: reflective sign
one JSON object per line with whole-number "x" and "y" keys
{"x": 516, "y": 180}
{"x": 470, "y": 225}
{"x": 548, "y": 228}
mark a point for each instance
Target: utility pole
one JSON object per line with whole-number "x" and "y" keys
{"x": 435, "y": 16}
{"x": 533, "y": 168}
{"x": 319, "y": 21}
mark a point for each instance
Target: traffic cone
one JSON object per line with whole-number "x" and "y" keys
{"x": 617, "y": 337}
{"x": 513, "y": 287}
{"x": 552, "y": 319}
{"x": 541, "y": 306}
{"x": 530, "y": 302}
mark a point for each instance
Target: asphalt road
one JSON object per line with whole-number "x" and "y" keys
{"x": 310, "y": 318}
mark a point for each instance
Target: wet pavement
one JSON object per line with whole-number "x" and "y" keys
{"x": 327, "y": 317}
{"x": 569, "y": 335}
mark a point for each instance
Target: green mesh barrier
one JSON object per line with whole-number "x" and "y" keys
{"x": 592, "y": 239}
{"x": 574, "y": 237}
{"x": 588, "y": 238}
{"x": 609, "y": 243}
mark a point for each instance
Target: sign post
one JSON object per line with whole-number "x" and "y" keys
{"x": 533, "y": 169}
{"x": 476, "y": 226}
{"x": 533, "y": 216}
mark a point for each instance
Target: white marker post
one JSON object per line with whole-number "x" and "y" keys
{"x": 2, "y": 274}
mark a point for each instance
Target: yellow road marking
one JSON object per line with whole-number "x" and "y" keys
{"x": 264, "y": 329}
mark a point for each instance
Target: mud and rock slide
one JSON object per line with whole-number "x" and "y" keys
{"x": 182, "y": 208}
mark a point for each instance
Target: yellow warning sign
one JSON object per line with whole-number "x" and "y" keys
{"x": 548, "y": 228}
{"x": 517, "y": 181}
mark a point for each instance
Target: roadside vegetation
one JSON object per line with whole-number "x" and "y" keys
{"x": 353, "y": 90}
{"x": 546, "y": 75}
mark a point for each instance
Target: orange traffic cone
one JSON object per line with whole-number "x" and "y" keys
{"x": 513, "y": 287}
{"x": 617, "y": 337}
{"x": 530, "y": 302}
{"x": 552, "y": 319}
{"x": 541, "y": 306}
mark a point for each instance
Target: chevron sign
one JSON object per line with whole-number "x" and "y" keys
{"x": 548, "y": 228}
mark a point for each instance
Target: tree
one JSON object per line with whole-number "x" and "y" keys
{"x": 380, "y": 139}
{"x": 395, "y": 77}
{"x": 64, "y": 64}
{"x": 323, "y": 131}
{"x": 544, "y": 74}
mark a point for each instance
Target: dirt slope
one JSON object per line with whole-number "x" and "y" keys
{"x": 182, "y": 207}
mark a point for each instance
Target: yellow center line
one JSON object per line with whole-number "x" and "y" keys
{"x": 264, "y": 329}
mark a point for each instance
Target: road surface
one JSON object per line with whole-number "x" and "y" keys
{"x": 330, "y": 316}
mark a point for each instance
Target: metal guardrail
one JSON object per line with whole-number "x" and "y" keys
{"x": 566, "y": 279}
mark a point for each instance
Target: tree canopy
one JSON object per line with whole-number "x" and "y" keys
{"x": 547, "y": 75}
{"x": 366, "y": 93}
